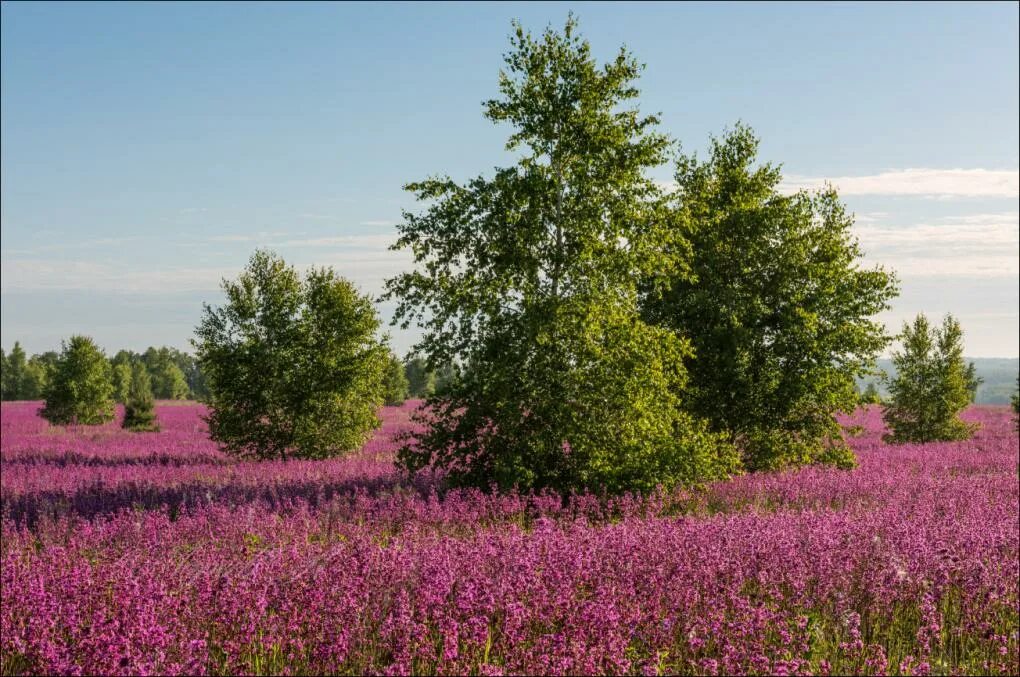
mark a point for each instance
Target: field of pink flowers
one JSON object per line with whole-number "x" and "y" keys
{"x": 153, "y": 553}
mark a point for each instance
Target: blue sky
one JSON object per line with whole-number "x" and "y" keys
{"x": 147, "y": 149}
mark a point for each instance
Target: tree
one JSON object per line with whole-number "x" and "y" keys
{"x": 293, "y": 365}
{"x": 930, "y": 387}
{"x": 870, "y": 395}
{"x": 395, "y": 386}
{"x": 973, "y": 381}
{"x": 420, "y": 379}
{"x": 3, "y": 375}
{"x": 122, "y": 380}
{"x": 1015, "y": 400}
{"x": 139, "y": 410}
{"x": 529, "y": 277}
{"x": 168, "y": 382}
{"x": 446, "y": 376}
{"x": 14, "y": 373}
{"x": 35, "y": 378}
{"x": 778, "y": 308}
{"x": 192, "y": 374}
{"x": 80, "y": 390}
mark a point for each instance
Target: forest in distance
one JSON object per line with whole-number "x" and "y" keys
{"x": 997, "y": 374}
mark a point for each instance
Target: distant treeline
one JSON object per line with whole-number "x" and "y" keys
{"x": 997, "y": 374}
{"x": 175, "y": 374}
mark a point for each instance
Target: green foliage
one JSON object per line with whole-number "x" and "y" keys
{"x": 395, "y": 386}
{"x": 23, "y": 379}
{"x": 192, "y": 374}
{"x": 420, "y": 379}
{"x": 870, "y": 395}
{"x": 124, "y": 357}
{"x": 37, "y": 375}
{"x": 930, "y": 387}
{"x": 973, "y": 380}
{"x": 778, "y": 309}
{"x": 294, "y": 367}
{"x": 446, "y": 376}
{"x": 14, "y": 375}
{"x": 121, "y": 380}
{"x": 1015, "y": 401}
{"x": 168, "y": 382}
{"x": 529, "y": 279}
{"x": 139, "y": 410}
{"x": 80, "y": 389}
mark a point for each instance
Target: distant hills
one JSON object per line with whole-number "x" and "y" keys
{"x": 999, "y": 374}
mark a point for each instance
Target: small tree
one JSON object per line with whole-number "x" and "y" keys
{"x": 446, "y": 376}
{"x": 122, "y": 381}
{"x": 80, "y": 390}
{"x": 168, "y": 381}
{"x": 294, "y": 367}
{"x": 421, "y": 380}
{"x": 930, "y": 386}
{"x": 871, "y": 395}
{"x": 139, "y": 411}
{"x": 14, "y": 374}
{"x": 395, "y": 386}
{"x": 973, "y": 381}
{"x": 1016, "y": 404}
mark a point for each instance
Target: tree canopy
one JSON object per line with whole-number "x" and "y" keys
{"x": 80, "y": 389}
{"x": 930, "y": 387}
{"x": 395, "y": 386}
{"x": 779, "y": 310}
{"x": 530, "y": 277}
{"x": 293, "y": 365}
{"x": 139, "y": 409}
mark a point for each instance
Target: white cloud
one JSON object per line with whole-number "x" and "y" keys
{"x": 870, "y": 217}
{"x": 943, "y": 183}
{"x": 383, "y": 222}
{"x": 367, "y": 268}
{"x": 978, "y": 245}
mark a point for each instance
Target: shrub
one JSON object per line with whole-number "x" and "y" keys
{"x": 293, "y": 366}
{"x": 930, "y": 387}
{"x": 80, "y": 390}
{"x": 139, "y": 413}
{"x": 395, "y": 386}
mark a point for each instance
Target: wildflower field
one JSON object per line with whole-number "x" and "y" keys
{"x": 154, "y": 553}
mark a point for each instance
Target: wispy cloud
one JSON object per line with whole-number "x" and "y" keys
{"x": 870, "y": 217}
{"x": 44, "y": 274}
{"x": 979, "y": 245}
{"x": 262, "y": 236}
{"x": 71, "y": 246}
{"x": 382, "y": 222}
{"x": 379, "y": 241}
{"x": 945, "y": 183}
{"x": 230, "y": 238}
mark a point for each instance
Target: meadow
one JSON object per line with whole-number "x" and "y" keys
{"x": 153, "y": 553}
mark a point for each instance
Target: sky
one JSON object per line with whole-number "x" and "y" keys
{"x": 149, "y": 149}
